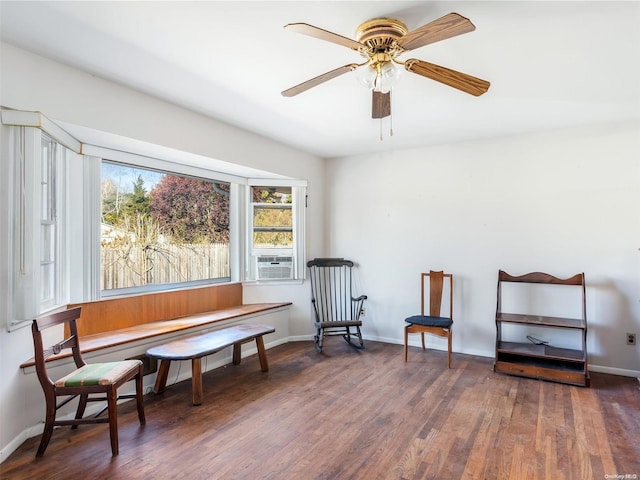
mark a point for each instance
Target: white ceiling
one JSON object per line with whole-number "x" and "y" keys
{"x": 551, "y": 64}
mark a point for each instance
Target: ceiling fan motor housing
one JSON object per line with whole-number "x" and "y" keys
{"x": 380, "y": 36}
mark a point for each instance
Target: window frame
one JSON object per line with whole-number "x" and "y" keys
{"x": 56, "y": 165}
{"x": 81, "y": 207}
{"x": 297, "y": 252}
{"x": 27, "y": 133}
{"x": 159, "y": 287}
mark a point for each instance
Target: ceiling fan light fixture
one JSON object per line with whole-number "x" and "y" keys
{"x": 379, "y": 77}
{"x": 387, "y": 77}
{"x": 367, "y": 76}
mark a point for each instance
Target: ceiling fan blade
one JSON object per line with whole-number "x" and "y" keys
{"x": 461, "y": 81}
{"x": 444, "y": 27}
{"x": 310, "y": 30}
{"x": 380, "y": 105}
{"x": 304, "y": 86}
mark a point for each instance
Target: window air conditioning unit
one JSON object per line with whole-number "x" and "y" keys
{"x": 274, "y": 267}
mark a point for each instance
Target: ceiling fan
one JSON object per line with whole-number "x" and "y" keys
{"x": 381, "y": 41}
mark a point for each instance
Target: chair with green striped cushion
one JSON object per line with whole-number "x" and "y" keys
{"x": 100, "y": 378}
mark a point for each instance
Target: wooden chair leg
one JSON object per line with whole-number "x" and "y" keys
{"x": 406, "y": 338}
{"x": 422, "y": 335}
{"x": 359, "y": 334}
{"x": 46, "y": 434}
{"x": 82, "y": 405}
{"x": 449, "y": 349}
{"x": 139, "y": 393}
{"x": 112, "y": 402}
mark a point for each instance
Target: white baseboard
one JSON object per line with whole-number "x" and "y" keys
{"x": 614, "y": 371}
{"x": 13, "y": 445}
{"x": 481, "y": 353}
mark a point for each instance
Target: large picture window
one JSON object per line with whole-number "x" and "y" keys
{"x": 161, "y": 229}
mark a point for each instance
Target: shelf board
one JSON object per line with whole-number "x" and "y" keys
{"x": 543, "y": 321}
{"x": 570, "y": 373}
{"x": 538, "y": 363}
{"x": 541, "y": 351}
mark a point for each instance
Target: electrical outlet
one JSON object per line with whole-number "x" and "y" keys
{"x": 631, "y": 338}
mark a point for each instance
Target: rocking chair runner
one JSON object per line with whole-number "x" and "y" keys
{"x": 337, "y": 311}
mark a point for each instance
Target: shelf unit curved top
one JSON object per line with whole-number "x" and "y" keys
{"x": 540, "y": 277}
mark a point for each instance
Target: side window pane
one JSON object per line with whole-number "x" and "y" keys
{"x": 272, "y": 242}
{"x": 47, "y": 279}
{"x": 272, "y": 227}
{"x": 48, "y": 222}
{"x": 272, "y": 217}
{"x": 47, "y": 243}
{"x": 160, "y": 228}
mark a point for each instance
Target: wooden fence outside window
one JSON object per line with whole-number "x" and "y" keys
{"x": 127, "y": 266}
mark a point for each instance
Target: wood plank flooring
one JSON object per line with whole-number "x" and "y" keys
{"x": 348, "y": 414}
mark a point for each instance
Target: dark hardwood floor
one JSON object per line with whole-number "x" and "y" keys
{"x": 348, "y": 414}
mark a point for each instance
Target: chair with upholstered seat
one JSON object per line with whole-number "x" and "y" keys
{"x": 435, "y": 322}
{"x": 87, "y": 379}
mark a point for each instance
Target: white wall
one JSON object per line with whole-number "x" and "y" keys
{"x": 29, "y": 82}
{"x": 562, "y": 202}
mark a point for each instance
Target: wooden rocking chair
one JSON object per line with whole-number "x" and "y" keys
{"x": 337, "y": 311}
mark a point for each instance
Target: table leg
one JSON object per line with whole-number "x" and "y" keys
{"x": 237, "y": 353}
{"x": 262, "y": 354}
{"x": 196, "y": 380}
{"x": 161, "y": 378}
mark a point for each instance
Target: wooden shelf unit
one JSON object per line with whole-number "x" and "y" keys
{"x": 542, "y": 361}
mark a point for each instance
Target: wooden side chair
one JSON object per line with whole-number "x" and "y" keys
{"x": 87, "y": 379}
{"x": 434, "y": 323}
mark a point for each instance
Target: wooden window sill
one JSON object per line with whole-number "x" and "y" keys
{"x": 99, "y": 341}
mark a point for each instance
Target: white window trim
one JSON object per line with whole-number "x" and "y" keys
{"x": 21, "y": 118}
{"x": 25, "y": 197}
{"x": 81, "y": 279}
{"x": 61, "y": 202}
{"x": 135, "y": 160}
{"x": 33, "y": 122}
{"x": 298, "y": 191}
{"x": 91, "y": 214}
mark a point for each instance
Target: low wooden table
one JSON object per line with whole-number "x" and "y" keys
{"x": 198, "y": 346}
